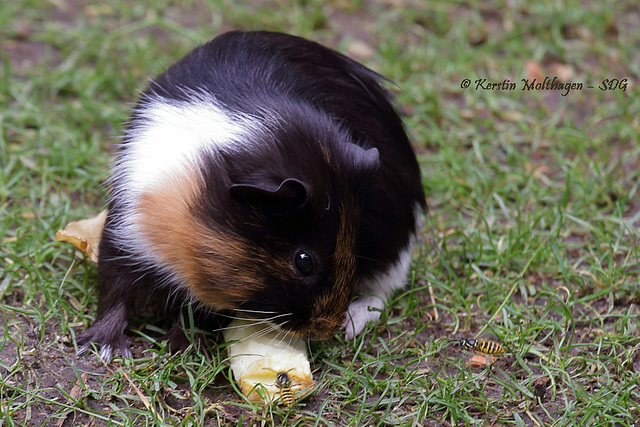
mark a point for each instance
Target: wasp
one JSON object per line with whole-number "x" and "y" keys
{"x": 482, "y": 346}
{"x": 284, "y": 384}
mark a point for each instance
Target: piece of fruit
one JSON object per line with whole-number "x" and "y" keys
{"x": 258, "y": 353}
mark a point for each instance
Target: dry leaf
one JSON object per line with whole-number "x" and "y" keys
{"x": 478, "y": 361}
{"x": 84, "y": 234}
{"x": 533, "y": 70}
{"x": 360, "y": 50}
{"x": 562, "y": 71}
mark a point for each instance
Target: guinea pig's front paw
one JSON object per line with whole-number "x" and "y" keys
{"x": 110, "y": 340}
{"x": 107, "y": 350}
{"x": 365, "y": 309}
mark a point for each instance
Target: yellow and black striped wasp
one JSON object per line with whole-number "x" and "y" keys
{"x": 482, "y": 346}
{"x": 284, "y": 384}
{"x": 485, "y": 347}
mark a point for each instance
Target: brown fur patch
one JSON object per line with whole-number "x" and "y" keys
{"x": 325, "y": 153}
{"x": 329, "y": 310}
{"x": 208, "y": 261}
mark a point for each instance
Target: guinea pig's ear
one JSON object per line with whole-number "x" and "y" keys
{"x": 365, "y": 160}
{"x": 288, "y": 195}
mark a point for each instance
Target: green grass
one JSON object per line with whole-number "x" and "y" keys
{"x": 531, "y": 240}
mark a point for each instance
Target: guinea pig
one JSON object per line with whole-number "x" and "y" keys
{"x": 264, "y": 175}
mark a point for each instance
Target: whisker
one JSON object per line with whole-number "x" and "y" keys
{"x": 253, "y": 319}
{"x": 278, "y": 316}
{"x": 230, "y": 327}
{"x": 245, "y": 310}
{"x": 265, "y": 326}
{"x": 249, "y": 319}
{"x": 262, "y": 332}
{"x": 369, "y": 259}
{"x": 291, "y": 336}
{"x": 269, "y": 327}
{"x": 281, "y": 331}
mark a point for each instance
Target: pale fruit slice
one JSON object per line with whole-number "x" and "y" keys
{"x": 257, "y": 355}
{"x": 84, "y": 234}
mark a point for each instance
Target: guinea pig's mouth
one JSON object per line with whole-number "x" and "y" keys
{"x": 316, "y": 329}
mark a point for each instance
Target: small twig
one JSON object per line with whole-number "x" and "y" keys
{"x": 142, "y": 397}
{"x": 436, "y": 316}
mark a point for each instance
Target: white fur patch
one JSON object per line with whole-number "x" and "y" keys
{"x": 365, "y": 309}
{"x": 165, "y": 145}
{"x": 172, "y": 136}
{"x": 375, "y": 292}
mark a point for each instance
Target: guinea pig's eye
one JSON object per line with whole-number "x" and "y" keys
{"x": 303, "y": 263}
